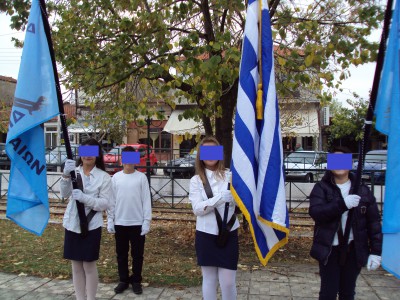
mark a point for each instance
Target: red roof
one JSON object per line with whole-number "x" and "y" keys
{"x": 8, "y": 79}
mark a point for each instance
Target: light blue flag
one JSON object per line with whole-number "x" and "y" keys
{"x": 388, "y": 122}
{"x": 35, "y": 102}
{"x": 257, "y": 157}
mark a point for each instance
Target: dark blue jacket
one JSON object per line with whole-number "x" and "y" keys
{"x": 326, "y": 208}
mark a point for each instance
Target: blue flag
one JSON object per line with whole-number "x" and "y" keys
{"x": 35, "y": 102}
{"x": 388, "y": 122}
{"x": 257, "y": 156}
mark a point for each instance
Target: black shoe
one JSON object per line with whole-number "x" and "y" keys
{"x": 137, "y": 288}
{"x": 122, "y": 286}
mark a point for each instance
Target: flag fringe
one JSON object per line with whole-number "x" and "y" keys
{"x": 263, "y": 259}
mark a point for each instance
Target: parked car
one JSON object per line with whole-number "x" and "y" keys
{"x": 58, "y": 156}
{"x": 113, "y": 163}
{"x": 185, "y": 164}
{"x": 374, "y": 166}
{"x": 4, "y": 159}
{"x": 306, "y": 166}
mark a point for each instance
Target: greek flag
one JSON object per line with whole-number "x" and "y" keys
{"x": 257, "y": 156}
{"x": 388, "y": 122}
{"x": 35, "y": 102}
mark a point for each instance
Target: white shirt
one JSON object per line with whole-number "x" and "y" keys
{"x": 98, "y": 186}
{"x": 345, "y": 189}
{"x": 131, "y": 203}
{"x": 206, "y": 220}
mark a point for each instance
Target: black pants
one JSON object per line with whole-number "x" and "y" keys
{"x": 336, "y": 279}
{"x": 123, "y": 236}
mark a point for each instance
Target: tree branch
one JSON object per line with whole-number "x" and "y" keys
{"x": 273, "y": 4}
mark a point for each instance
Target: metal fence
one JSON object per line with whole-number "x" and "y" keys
{"x": 298, "y": 195}
{"x": 172, "y": 192}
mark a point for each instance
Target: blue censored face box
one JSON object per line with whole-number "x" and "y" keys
{"x": 340, "y": 161}
{"x": 89, "y": 150}
{"x": 130, "y": 157}
{"x": 211, "y": 152}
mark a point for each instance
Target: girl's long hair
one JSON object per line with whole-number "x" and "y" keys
{"x": 200, "y": 166}
{"x": 99, "y": 159}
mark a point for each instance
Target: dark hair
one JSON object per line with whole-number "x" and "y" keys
{"x": 128, "y": 149}
{"x": 99, "y": 159}
{"x": 342, "y": 149}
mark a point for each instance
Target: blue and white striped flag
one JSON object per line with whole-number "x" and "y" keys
{"x": 257, "y": 156}
{"x": 35, "y": 102}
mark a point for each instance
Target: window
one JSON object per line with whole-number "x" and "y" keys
{"x": 50, "y": 137}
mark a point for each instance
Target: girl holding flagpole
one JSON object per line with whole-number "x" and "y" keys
{"x": 83, "y": 249}
{"x": 343, "y": 243}
{"x": 209, "y": 194}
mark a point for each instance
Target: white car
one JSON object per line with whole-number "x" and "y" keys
{"x": 306, "y": 166}
{"x": 58, "y": 156}
{"x": 374, "y": 166}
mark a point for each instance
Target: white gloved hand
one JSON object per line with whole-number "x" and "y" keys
{"x": 77, "y": 194}
{"x": 69, "y": 166}
{"x": 374, "y": 261}
{"x": 215, "y": 201}
{"x": 110, "y": 226}
{"x": 145, "y": 228}
{"x": 227, "y": 196}
{"x": 352, "y": 201}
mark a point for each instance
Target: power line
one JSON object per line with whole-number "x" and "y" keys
{"x": 11, "y": 33}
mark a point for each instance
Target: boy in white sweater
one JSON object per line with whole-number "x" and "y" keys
{"x": 129, "y": 218}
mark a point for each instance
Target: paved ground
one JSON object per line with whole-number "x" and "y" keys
{"x": 277, "y": 281}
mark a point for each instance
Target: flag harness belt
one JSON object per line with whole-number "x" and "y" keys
{"x": 84, "y": 219}
{"x": 224, "y": 227}
{"x": 343, "y": 237}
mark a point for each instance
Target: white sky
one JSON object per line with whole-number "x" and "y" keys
{"x": 360, "y": 81}
{"x": 10, "y": 57}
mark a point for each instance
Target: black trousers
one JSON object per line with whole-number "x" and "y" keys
{"x": 336, "y": 279}
{"x": 125, "y": 235}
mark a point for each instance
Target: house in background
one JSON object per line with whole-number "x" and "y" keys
{"x": 299, "y": 121}
{"x": 51, "y": 128}
{"x": 7, "y": 91}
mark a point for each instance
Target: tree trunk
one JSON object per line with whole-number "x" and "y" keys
{"x": 224, "y": 125}
{"x": 207, "y": 125}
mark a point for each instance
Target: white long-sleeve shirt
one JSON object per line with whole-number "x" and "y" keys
{"x": 206, "y": 220}
{"x": 98, "y": 187}
{"x": 131, "y": 203}
{"x": 345, "y": 189}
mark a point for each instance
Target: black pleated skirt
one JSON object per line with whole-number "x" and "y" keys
{"x": 210, "y": 255}
{"x": 82, "y": 249}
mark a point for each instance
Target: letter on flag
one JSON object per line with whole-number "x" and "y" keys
{"x": 387, "y": 113}
{"x": 257, "y": 156}
{"x": 35, "y": 102}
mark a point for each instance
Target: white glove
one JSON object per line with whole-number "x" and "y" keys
{"x": 69, "y": 166}
{"x": 77, "y": 194}
{"x": 110, "y": 226}
{"x": 352, "y": 201}
{"x": 227, "y": 196}
{"x": 215, "y": 201}
{"x": 374, "y": 261}
{"x": 145, "y": 228}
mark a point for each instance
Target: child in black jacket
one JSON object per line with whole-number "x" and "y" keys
{"x": 330, "y": 202}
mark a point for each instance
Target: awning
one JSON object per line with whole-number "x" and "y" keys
{"x": 77, "y": 128}
{"x": 174, "y": 126}
{"x": 308, "y": 127}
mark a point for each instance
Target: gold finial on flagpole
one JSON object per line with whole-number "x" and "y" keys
{"x": 259, "y": 104}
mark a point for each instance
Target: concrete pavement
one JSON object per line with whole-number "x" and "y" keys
{"x": 276, "y": 281}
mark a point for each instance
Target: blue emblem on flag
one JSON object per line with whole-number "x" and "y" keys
{"x": 35, "y": 102}
{"x": 257, "y": 156}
